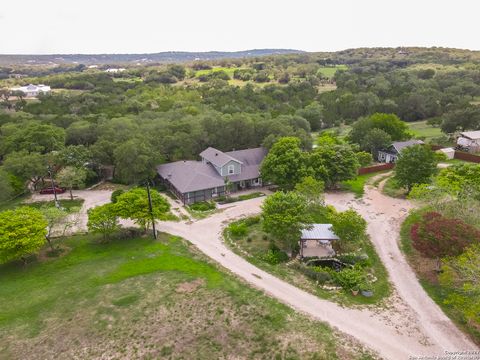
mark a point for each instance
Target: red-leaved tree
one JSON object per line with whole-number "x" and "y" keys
{"x": 436, "y": 236}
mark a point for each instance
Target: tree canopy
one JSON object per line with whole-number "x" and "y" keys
{"x": 22, "y": 233}
{"x": 416, "y": 165}
{"x": 133, "y": 204}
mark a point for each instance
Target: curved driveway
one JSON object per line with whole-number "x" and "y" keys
{"x": 412, "y": 325}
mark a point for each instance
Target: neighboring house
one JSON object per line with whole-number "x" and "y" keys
{"x": 115, "y": 70}
{"x": 469, "y": 140}
{"x": 317, "y": 241}
{"x": 33, "y": 90}
{"x": 390, "y": 155}
{"x": 193, "y": 181}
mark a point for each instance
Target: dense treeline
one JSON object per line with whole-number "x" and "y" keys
{"x": 133, "y": 119}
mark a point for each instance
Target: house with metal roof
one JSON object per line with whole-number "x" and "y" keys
{"x": 469, "y": 140}
{"x": 316, "y": 240}
{"x": 32, "y": 90}
{"x": 390, "y": 155}
{"x": 216, "y": 173}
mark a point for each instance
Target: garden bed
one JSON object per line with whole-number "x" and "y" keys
{"x": 426, "y": 271}
{"x": 247, "y": 238}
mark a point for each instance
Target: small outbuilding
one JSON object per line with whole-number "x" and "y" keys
{"x": 448, "y": 152}
{"x": 317, "y": 241}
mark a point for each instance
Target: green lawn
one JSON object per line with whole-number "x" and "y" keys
{"x": 255, "y": 243}
{"x": 329, "y": 71}
{"x": 357, "y": 185}
{"x": 228, "y": 70}
{"x": 21, "y": 201}
{"x": 422, "y": 129}
{"x": 140, "y": 298}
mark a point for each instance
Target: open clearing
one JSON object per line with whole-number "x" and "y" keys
{"x": 140, "y": 298}
{"x": 422, "y": 129}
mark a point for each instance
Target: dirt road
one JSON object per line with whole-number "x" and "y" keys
{"x": 412, "y": 325}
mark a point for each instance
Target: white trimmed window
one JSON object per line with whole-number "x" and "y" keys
{"x": 231, "y": 169}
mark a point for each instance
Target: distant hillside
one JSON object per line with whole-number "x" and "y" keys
{"x": 162, "y": 57}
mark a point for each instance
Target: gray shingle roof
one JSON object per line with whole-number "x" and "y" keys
{"x": 400, "y": 145}
{"x": 217, "y": 157}
{"x": 189, "y": 176}
{"x": 249, "y": 156}
{"x": 319, "y": 232}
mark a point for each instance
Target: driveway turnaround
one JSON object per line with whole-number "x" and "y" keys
{"x": 410, "y": 325}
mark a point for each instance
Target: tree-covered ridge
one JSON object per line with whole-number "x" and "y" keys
{"x": 137, "y": 118}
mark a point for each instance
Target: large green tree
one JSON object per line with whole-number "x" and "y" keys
{"x": 71, "y": 177}
{"x": 6, "y": 189}
{"x": 334, "y": 163}
{"x": 416, "y": 165}
{"x": 133, "y": 205}
{"x": 285, "y": 216}
{"x": 103, "y": 220}
{"x": 388, "y": 123}
{"x": 31, "y": 167}
{"x": 22, "y": 233}
{"x": 350, "y": 227}
{"x": 285, "y": 164}
{"x": 135, "y": 161}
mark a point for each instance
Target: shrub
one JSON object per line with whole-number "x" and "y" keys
{"x": 350, "y": 278}
{"x": 364, "y": 158}
{"x": 317, "y": 273}
{"x": 352, "y": 259}
{"x": 238, "y": 229}
{"x": 274, "y": 257}
{"x": 251, "y": 220}
{"x": 115, "y": 195}
{"x": 436, "y": 236}
{"x": 203, "y": 206}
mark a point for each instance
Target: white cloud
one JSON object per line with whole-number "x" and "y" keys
{"x": 126, "y": 26}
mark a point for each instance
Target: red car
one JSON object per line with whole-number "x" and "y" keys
{"x": 49, "y": 190}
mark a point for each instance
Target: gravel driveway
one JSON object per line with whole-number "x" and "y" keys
{"x": 412, "y": 324}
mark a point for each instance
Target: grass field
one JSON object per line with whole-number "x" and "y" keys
{"x": 140, "y": 298}
{"x": 422, "y": 129}
{"x": 329, "y": 71}
{"x": 228, "y": 70}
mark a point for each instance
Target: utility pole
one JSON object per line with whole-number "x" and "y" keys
{"x": 151, "y": 210}
{"x": 57, "y": 205}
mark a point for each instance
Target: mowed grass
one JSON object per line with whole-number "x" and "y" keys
{"x": 22, "y": 201}
{"x": 228, "y": 70}
{"x": 357, "y": 185}
{"x": 422, "y": 129}
{"x": 141, "y": 298}
{"x": 329, "y": 71}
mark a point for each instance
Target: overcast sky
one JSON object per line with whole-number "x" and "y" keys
{"x": 146, "y": 26}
